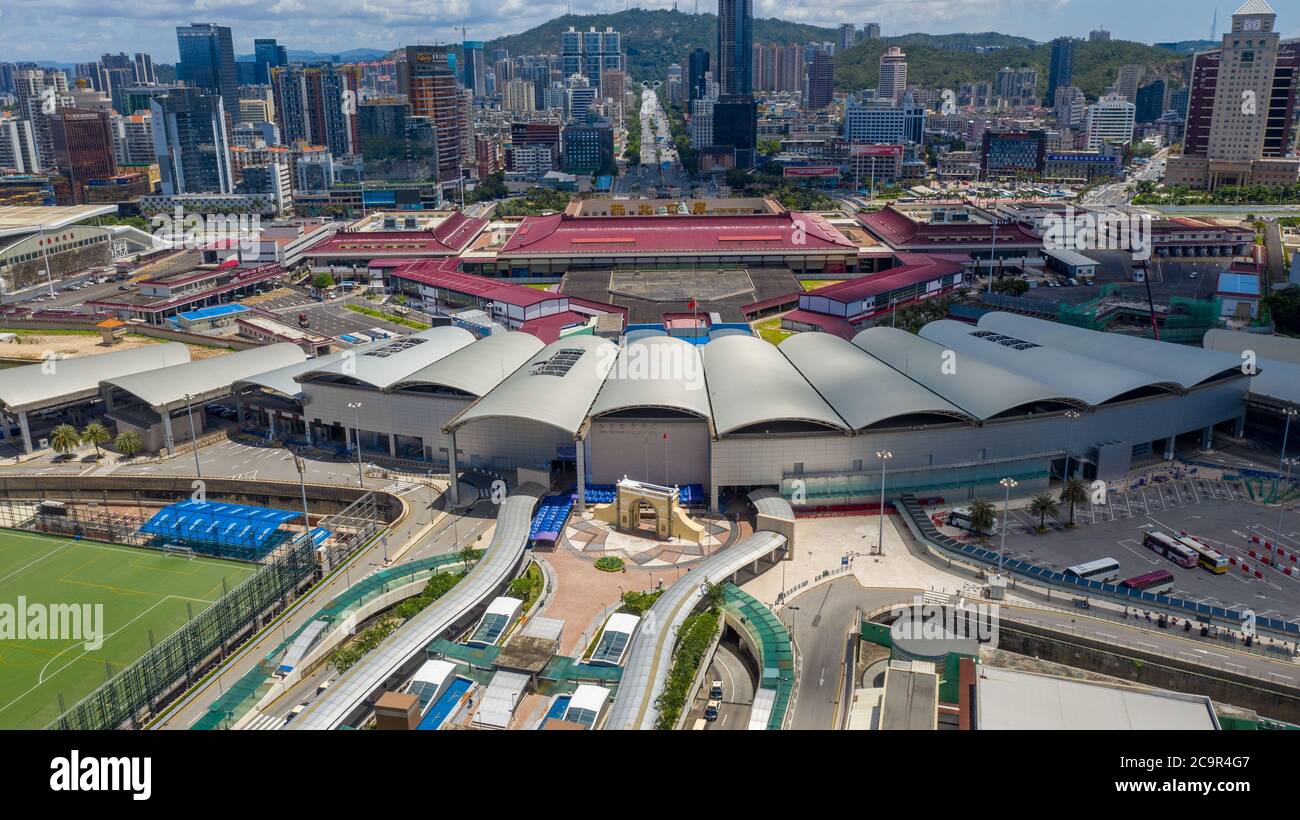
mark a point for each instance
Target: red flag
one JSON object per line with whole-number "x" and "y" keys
{"x": 691, "y": 304}
{"x": 665, "y": 435}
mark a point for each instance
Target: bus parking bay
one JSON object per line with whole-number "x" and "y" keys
{"x": 1225, "y": 525}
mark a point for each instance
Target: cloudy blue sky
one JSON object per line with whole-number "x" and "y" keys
{"x": 79, "y": 30}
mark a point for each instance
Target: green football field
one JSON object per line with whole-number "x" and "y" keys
{"x": 141, "y": 590}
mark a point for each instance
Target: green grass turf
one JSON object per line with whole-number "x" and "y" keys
{"x": 140, "y": 589}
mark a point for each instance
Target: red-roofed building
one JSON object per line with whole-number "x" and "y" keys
{"x": 441, "y": 289}
{"x": 358, "y": 249}
{"x": 846, "y": 307}
{"x": 951, "y": 230}
{"x": 551, "y": 245}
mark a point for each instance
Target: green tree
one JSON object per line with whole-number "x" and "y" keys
{"x": 1074, "y": 491}
{"x": 1010, "y": 286}
{"x": 322, "y": 281}
{"x": 1284, "y": 306}
{"x": 95, "y": 433}
{"x": 1043, "y": 505}
{"x": 714, "y": 595}
{"x": 982, "y": 515}
{"x": 468, "y": 555}
{"x": 64, "y": 439}
{"x": 128, "y": 443}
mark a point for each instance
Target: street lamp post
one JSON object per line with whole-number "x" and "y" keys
{"x": 884, "y": 456}
{"x": 1069, "y": 434}
{"x": 1006, "y": 513}
{"x": 194, "y": 439}
{"x": 302, "y": 485}
{"x": 1288, "y": 463}
{"x": 356, "y": 424}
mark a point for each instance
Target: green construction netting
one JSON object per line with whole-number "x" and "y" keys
{"x": 773, "y": 640}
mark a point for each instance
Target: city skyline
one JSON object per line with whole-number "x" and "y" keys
{"x": 56, "y": 36}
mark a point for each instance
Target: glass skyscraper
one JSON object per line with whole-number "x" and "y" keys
{"x": 207, "y": 60}
{"x": 735, "y": 74}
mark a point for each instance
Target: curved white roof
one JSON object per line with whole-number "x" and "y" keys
{"x": 388, "y": 362}
{"x": 656, "y": 371}
{"x": 1187, "y": 366}
{"x": 477, "y": 368}
{"x": 862, "y": 389}
{"x": 751, "y": 383}
{"x": 205, "y": 378}
{"x": 981, "y": 389}
{"x": 55, "y": 382}
{"x": 1095, "y": 382}
{"x": 283, "y": 380}
{"x": 555, "y": 387}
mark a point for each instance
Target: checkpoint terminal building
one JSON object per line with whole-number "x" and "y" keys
{"x": 959, "y": 406}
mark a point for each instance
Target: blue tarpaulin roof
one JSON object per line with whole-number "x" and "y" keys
{"x": 222, "y": 525}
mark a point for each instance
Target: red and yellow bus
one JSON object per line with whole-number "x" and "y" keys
{"x": 1206, "y": 556}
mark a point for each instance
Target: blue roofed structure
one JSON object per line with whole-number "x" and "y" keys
{"x": 226, "y": 530}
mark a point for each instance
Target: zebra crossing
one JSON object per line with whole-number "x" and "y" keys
{"x": 265, "y": 722}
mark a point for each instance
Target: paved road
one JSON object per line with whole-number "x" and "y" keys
{"x": 449, "y": 536}
{"x": 737, "y": 692}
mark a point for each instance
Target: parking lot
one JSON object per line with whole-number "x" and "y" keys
{"x": 1209, "y": 510}
{"x": 327, "y": 318}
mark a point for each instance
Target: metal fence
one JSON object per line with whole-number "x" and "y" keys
{"x": 136, "y": 693}
{"x": 76, "y": 521}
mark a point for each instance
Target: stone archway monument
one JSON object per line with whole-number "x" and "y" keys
{"x": 670, "y": 521}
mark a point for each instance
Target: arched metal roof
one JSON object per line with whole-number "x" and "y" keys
{"x": 479, "y": 367}
{"x": 862, "y": 389}
{"x": 555, "y": 387}
{"x": 1187, "y": 366}
{"x": 656, "y": 371}
{"x": 979, "y": 388}
{"x": 283, "y": 380}
{"x": 204, "y": 379}
{"x": 59, "y": 381}
{"x": 1095, "y": 382}
{"x": 751, "y": 383}
{"x": 388, "y": 362}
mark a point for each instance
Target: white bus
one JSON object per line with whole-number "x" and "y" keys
{"x": 959, "y": 517}
{"x": 1105, "y": 570}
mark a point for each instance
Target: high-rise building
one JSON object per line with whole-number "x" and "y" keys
{"x": 847, "y": 36}
{"x": 472, "y": 67}
{"x": 317, "y": 104}
{"x": 871, "y": 31}
{"x": 1099, "y": 35}
{"x": 190, "y": 142}
{"x": 18, "y": 146}
{"x": 427, "y": 78}
{"x": 1178, "y": 99}
{"x": 1013, "y": 153}
{"x": 611, "y": 50}
{"x": 1241, "y": 108}
{"x": 1069, "y": 106}
{"x": 735, "y": 74}
{"x": 83, "y": 149}
{"x": 881, "y": 122}
{"x": 1127, "y": 81}
{"x": 697, "y": 65}
{"x": 571, "y": 52}
{"x": 735, "y": 125}
{"x": 1110, "y": 119}
{"x": 821, "y": 83}
{"x": 518, "y": 97}
{"x": 893, "y": 74}
{"x": 1061, "y": 69}
{"x": 133, "y": 139}
{"x": 207, "y": 60}
{"x": 1150, "y": 101}
{"x": 268, "y": 54}
{"x": 145, "y": 74}
{"x": 40, "y": 93}
{"x": 588, "y": 148}
{"x": 1019, "y": 85}
{"x": 790, "y": 68}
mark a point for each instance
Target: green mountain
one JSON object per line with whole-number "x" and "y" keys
{"x": 931, "y": 65}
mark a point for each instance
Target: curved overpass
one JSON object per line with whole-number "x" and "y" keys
{"x": 651, "y": 653}
{"x": 350, "y": 693}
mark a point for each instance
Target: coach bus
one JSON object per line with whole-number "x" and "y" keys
{"x": 1157, "y": 582}
{"x": 959, "y": 517}
{"x": 1207, "y": 556}
{"x": 1104, "y": 570}
{"x": 1169, "y": 547}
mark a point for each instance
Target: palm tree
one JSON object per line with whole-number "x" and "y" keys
{"x": 64, "y": 439}
{"x": 96, "y": 433}
{"x": 128, "y": 443}
{"x": 1043, "y": 505}
{"x": 982, "y": 515}
{"x": 468, "y": 555}
{"x": 1074, "y": 492}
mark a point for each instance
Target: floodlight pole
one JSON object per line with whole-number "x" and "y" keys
{"x": 356, "y": 424}
{"x": 302, "y": 484}
{"x": 194, "y": 439}
{"x": 1006, "y": 514}
{"x": 884, "y": 456}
